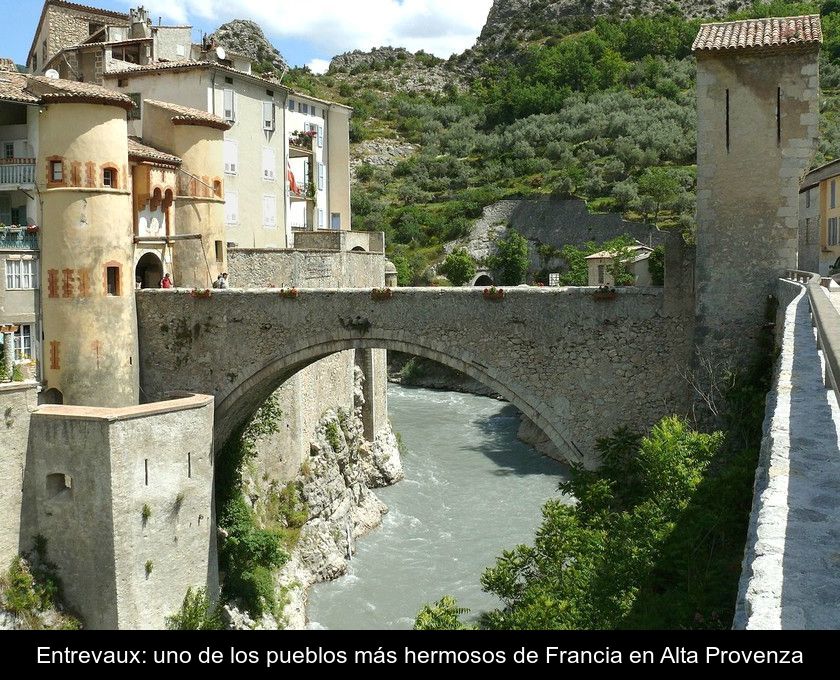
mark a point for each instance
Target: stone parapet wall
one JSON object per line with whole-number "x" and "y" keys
{"x": 789, "y": 578}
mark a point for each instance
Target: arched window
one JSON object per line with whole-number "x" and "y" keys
{"x": 110, "y": 177}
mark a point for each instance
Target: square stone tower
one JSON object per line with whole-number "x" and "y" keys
{"x": 757, "y": 128}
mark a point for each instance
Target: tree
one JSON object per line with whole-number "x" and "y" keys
{"x": 661, "y": 187}
{"x": 458, "y": 267}
{"x": 656, "y": 264}
{"x": 511, "y": 259}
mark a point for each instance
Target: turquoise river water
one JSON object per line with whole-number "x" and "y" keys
{"x": 471, "y": 490}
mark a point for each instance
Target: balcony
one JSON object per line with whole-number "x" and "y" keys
{"x": 300, "y": 144}
{"x": 18, "y": 238}
{"x": 305, "y": 192}
{"x": 17, "y": 171}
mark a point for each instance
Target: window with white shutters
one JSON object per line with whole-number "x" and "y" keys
{"x": 269, "y": 164}
{"x": 268, "y": 115}
{"x": 230, "y": 105}
{"x": 231, "y": 157}
{"x": 20, "y": 275}
{"x": 320, "y": 136}
{"x": 322, "y": 176}
{"x": 231, "y": 207}
{"x": 269, "y": 211}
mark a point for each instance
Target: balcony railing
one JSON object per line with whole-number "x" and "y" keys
{"x": 18, "y": 238}
{"x": 17, "y": 171}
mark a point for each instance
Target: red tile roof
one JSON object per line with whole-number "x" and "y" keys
{"x": 13, "y": 89}
{"x": 759, "y": 33}
{"x": 68, "y": 91}
{"x": 184, "y": 115}
{"x": 138, "y": 150}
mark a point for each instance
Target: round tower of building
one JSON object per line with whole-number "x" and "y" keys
{"x": 199, "y": 252}
{"x": 90, "y": 325}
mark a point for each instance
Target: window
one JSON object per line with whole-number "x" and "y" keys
{"x": 320, "y": 130}
{"x": 21, "y": 275}
{"x": 778, "y": 115}
{"x": 602, "y": 270}
{"x": 228, "y": 80}
{"x": 8, "y": 150}
{"x": 833, "y": 236}
{"x": 268, "y": 115}
{"x": 270, "y": 93}
{"x": 727, "y": 121}
{"x": 808, "y": 198}
{"x": 58, "y": 485}
{"x": 136, "y": 112}
{"x": 220, "y": 251}
{"x": 181, "y": 51}
{"x": 57, "y": 171}
{"x": 303, "y": 108}
{"x": 94, "y": 28}
{"x": 122, "y": 82}
{"x": 322, "y": 176}
{"x": 231, "y": 207}
{"x": 108, "y": 178}
{"x": 231, "y": 156}
{"x": 291, "y": 105}
{"x": 269, "y": 211}
{"x": 321, "y": 218}
{"x": 112, "y": 280}
{"x": 834, "y": 193}
{"x": 230, "y": 105}
{"x": 269, "y": 164}
{"x": 22, "y": 342}
{"x": 335, "y": 221}
{"x": 807, "y": 230}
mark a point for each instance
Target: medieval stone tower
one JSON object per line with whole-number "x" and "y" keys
{"x": 90, "y": 325}
{"x": 757, "y": 127}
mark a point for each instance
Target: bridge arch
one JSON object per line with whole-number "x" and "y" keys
{"x": 236, "y": 408}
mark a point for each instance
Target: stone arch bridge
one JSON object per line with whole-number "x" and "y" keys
{"x": 576, "y": 365}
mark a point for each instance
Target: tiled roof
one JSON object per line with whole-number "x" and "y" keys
{"x": 184, "y": 115}
{"x": 642, "y": 252}
{"x": 185, "y": 65}
{"x": 13, "y": 89}
{"x": 57, "y": 90}
{"x": 759, "y": 33}
{"x": 8, "y": 65}
{"x": 136, "y": 149}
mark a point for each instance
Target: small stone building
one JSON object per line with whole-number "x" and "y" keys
{"x": 600, "y": 266}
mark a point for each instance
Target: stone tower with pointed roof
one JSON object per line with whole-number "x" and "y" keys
{"x": 757, "y": 128}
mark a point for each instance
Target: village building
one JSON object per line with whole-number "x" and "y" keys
{"x": 819, "y": 219}
{"x": 601, "y": 266}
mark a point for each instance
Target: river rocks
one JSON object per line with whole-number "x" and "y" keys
{"x": 336, "y": 487}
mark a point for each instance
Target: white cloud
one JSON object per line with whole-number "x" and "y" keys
{"x": 319, "y": 65}
{"x": 442, "y": 27}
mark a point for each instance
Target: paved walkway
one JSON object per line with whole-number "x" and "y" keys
{"x": 791, "y": 574}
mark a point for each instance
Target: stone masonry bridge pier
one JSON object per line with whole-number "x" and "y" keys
{"x": 576, "y": 365}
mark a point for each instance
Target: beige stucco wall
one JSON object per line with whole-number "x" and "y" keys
{"x": 85, "y": 229}
{"x": 95, "y": 531}
{"x": 338, "y": 163}
{"x": 828, "y": 252}
{"x": 809, "y": 230}
{"x": 17, "y": 401}
{"x": 748, "y": 196}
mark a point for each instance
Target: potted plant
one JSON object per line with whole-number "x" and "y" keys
{"x": 381, "y": 294}
{"x": 494, "y": 294}
{"x": 605, "y": 293}
{"x": 289, "y": 293}
{"x": 201, "y": 293}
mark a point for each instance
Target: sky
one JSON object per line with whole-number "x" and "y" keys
{"x": 306, "y": 32}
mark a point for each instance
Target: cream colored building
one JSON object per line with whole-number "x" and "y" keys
{"x": 819, "y": 218}
{"x": 600, "y": 264}
{"x": 276, "y": 182}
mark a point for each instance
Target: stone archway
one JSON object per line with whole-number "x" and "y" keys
{"x": 483, "y": 280}
{"x": 236, "y": 408}
{"x": 149, "y": 271}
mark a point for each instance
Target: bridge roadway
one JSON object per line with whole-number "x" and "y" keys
{"x": 576, "y": 365}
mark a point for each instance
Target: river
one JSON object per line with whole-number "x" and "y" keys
{"x": 471, "y": 490}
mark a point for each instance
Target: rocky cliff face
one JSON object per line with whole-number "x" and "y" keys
{"x": 517, "y": 21}
{"x": 246, "y": 37}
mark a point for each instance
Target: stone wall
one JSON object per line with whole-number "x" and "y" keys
{"x": 124, "y": 499}
{"x": 789, "y": 578}
{"x": 577, "y": 366}
{"x": 809, "y": 230}
{"x": 17, "y": 401}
